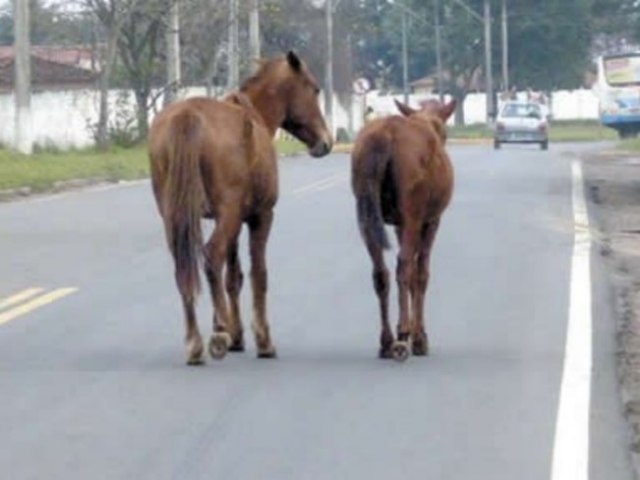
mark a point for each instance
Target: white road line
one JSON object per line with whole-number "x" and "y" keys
{"x": 20, "y": 297}
{"x": 321, "y": 184}
{"x": 331, "y": 185}
{"x": 571, "y": 444}
{"x": 36, "y": 303}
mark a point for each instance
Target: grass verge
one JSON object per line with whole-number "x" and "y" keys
{"x": 632, "y": 145}
{"x": 41, "y": 171}
{"x": 559, "y": 131}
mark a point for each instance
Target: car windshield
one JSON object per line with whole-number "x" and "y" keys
{"x": 521, "y": 111}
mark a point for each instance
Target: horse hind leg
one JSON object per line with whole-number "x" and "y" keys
{"x": 193, "y": 339}
{"x": 216, "y": 252}
{"x": 420, "y": 339}
{"x": 380, "y": 276}
{"x": 406, "y": 278}
{"x": 259, "y": 228}
{"x": 233, "y": 283}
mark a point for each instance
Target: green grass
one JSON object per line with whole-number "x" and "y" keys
{"x": 290, "y": 147}
{"x": 43, "y": 169}
{"x": 580, "y": 131}
{"x": 631, "y": 145}
{"x": 471, "y": 132}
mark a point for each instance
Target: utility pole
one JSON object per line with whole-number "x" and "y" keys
{"x": 438, "y": 51}
{"x": 232, "y": 54}
{"x": 505, "y": 48}
{"x": 328, "y": 100}
{"x": 488, "y": 62}
{"x": 173, "y": 55}
{"x": 254, "y": 32}
{"x": 405, "y": 57}
{"x": 22, "y": 48}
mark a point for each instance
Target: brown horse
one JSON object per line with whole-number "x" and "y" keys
{"x": 216, "y": 159}
{"x": 402, "y": 175}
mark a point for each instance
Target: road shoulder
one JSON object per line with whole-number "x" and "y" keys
{"x": 612, "y": 187}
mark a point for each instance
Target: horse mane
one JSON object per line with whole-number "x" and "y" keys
{"x": 438, "y": 126}
{"x": 266, "y": 66}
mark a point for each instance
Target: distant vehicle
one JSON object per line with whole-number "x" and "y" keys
{"x": 521, "y": 122}
{"x": 618, "y": 89}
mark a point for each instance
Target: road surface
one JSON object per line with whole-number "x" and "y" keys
{"x": 92, "y": 377}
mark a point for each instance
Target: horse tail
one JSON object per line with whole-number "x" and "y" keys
{"x": 184, "y": 200}
{"x": 375, "y": 155}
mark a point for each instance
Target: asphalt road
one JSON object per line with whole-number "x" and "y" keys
{"x": 93, "y": 383}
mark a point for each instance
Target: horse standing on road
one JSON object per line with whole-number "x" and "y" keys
{"x": 401, "y": 175}
{"x": 216, "y": 159}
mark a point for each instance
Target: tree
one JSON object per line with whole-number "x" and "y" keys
{"x": 550, "y": 43}
{"x": 133, "y": 31}
{"x": 204, "y": 41}
{"x": 111, "y": 15}
{"x": 50, "y": 24}
{"x": 140, "y": 45}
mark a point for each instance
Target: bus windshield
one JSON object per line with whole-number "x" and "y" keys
{"x": 622, "y": 70}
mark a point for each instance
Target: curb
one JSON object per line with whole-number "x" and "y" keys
{"x": 57, "y": 187}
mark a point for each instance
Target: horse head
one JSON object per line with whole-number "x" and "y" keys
{"x": 302, "y": 116}
{"x": 432, "y": 112}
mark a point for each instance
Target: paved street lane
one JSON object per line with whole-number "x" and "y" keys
{"x": 93, "y": 384}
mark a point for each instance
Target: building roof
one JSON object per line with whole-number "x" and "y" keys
{"x": 51, "y": 67}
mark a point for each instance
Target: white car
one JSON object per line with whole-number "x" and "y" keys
{"x": 521, "y": 122}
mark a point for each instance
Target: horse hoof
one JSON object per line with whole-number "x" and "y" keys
{"x": 219, "y": 345}
{"x": 420, "y": 349}
{"x": 400, "y": 351}
{"x": 237, "y": 346}
{"x": 195, "y": 361}
{"x": 385, "y": 353}
{"x": 194, "y": 352}
{"x": 269, "y": 352}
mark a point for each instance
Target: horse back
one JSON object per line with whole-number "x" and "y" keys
{"x": 422, "y": 168}
{"x": 231, "y": 146}
{"x": 408, "y": 161}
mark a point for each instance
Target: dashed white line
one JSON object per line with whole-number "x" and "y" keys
{"x": 322, "y": 184}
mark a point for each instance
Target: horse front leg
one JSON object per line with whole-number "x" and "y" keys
{"x": 259, "y": 228}
{"x": 224, "y": 235}
{"x": 420, "y": 339}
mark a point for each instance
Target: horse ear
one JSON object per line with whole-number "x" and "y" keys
{"x": 404, "y": 109}
{"x": 294, "y": 61}
{"x": 447, "y": 110}
{"x": 240, "y": 99}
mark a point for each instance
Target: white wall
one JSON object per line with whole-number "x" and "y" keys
{"x": 565, "y": 105}
{"x": 62, "y": 118}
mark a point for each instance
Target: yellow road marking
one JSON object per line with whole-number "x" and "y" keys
{"x": 20, "y": 297}
{"x": 36, "y": 303}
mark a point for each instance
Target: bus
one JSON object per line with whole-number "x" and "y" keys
{"x": 618, "y": 89}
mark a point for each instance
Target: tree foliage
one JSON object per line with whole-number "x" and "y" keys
{"x": 551, "y": 42}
